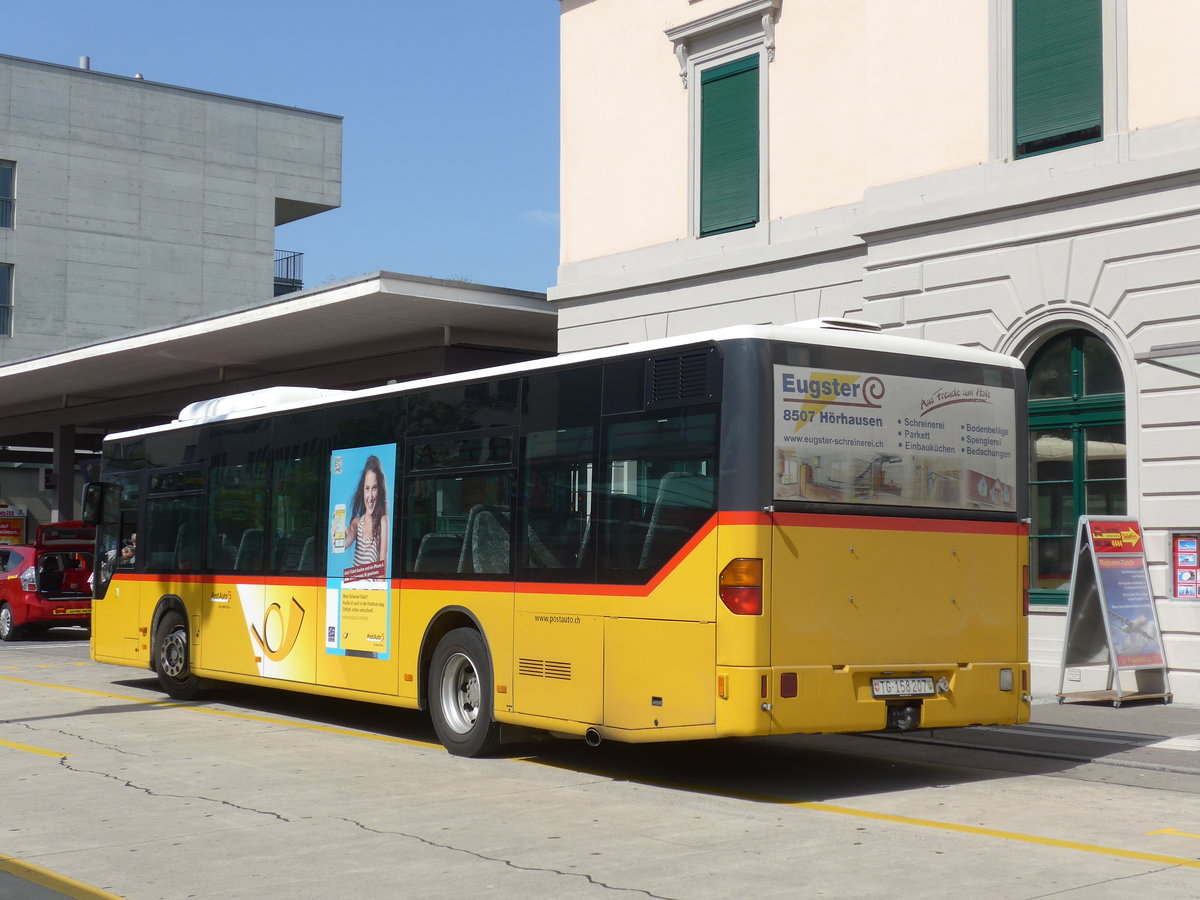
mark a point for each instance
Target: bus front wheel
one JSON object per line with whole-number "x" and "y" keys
{"x": 173, "y": 657}
{"x": 460, "y": 694}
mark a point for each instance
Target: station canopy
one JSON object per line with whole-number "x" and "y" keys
{"x": 365, "y": 331}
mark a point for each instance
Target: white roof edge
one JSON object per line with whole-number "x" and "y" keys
{"x": 816, "y": 331}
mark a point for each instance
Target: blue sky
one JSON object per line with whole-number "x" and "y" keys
{"x": 450, "y": 140}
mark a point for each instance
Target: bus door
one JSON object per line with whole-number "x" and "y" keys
{"x": 116, "y": 596}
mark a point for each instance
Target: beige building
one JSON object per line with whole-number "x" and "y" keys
{"x": 1020, "y": 175}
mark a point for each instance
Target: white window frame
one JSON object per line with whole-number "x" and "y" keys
{"x": 715, "y": 40}
{"x": 1114, "y": 20}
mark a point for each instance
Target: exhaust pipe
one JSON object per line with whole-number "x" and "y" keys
{"x": 592, "y": 737}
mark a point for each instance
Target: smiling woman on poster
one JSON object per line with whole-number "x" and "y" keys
{"x": 368, "y": 527}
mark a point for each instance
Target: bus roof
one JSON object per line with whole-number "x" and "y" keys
{"x": 846, "y": 333}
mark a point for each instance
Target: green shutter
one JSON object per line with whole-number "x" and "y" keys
{"x": 1058, "y": 74}
{"x": 729, "y": 146}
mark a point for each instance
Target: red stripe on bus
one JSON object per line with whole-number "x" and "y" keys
{"x": 873, "y": 523}
{"x": 571, "y": 587}
{"x": 743, "y": 517}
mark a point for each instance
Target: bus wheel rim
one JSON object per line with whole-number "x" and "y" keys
{"x": 174, "y": 654}
{"x": 460, "y": 693}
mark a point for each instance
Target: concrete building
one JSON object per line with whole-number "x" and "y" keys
{"x": 1020, "y": 175}
{"x": 136, "y": 205}
{"x": 137, "y": 271}
{"x": 129, "y": 206}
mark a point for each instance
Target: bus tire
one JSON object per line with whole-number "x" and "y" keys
{"x": 172, "y": 652}
{"x": 460, "y": 694}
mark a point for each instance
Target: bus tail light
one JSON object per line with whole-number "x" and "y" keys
{"x": 1025, "y": 590}
{"x": 741, "y": 587}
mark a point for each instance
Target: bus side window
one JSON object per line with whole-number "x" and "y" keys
{"x": 486, "y": 544}
{"x": 557, "y": 490}
{"x": 660, "y": 490}
{"x": 438, "y": 552}
{"x": 682, "y": 504}
{"x": 459, "y": 523}
{"x": 296, "y": 517}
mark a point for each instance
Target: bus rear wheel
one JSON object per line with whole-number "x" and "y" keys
{"x": 173, "y": 657}
{"x": 460, "y": 694}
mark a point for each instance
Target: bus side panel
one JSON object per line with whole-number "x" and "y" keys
{"x": 249, "y": 627}
{"x": 559, "y": 665}
{"x": 374, "y": 674}
{"x": 228, "y": 611}
{"x": 934, "y": 598}
{"x": 659, "y": 680}
{"x": 115, "y": 622}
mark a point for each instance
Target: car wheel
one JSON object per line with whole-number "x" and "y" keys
{"x": 173, "y": 658}
{"x": 460, "y": 694}
{"x": 9, "y": 630}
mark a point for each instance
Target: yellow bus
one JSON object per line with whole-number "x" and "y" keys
{"x": 754, "y": 531}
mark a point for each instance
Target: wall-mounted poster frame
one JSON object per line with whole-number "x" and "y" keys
{"x": 1111, "y": 617}
{"x": 1185, "y": 572}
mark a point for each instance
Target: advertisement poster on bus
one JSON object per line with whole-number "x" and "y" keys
{"x": 358, "y": 598}
{"x": 862, "y": 437}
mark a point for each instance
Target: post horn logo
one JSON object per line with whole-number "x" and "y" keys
{"x": 279, "y": 632}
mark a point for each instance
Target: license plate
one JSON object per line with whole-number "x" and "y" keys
{"x": 901, "y": 687}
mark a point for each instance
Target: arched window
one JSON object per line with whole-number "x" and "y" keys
{"x": 1077, "y": 459}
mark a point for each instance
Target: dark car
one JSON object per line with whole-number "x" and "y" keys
{"x": 47, "y": 583}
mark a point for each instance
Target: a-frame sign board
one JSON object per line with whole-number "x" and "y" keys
{"x": 1111, "y": 618}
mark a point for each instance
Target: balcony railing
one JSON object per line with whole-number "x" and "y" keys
{"x": 289, "y": 272}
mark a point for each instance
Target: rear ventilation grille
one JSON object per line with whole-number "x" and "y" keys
{"x": 544, "y": 668}
{"x": 681, "y": 378}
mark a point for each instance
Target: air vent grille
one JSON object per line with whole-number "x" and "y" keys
{"x": 544, "y": 668}
{"x": 680, "y": 378}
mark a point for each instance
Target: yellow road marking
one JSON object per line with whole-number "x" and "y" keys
{"x": 29, "y": 748}
{"x": 326, "y": 729}
{"x": 1099, "y": 849}
{"x": 1175, "y": 832}
{"x": 1004, "y": 835}
{"x": 76, "y": 890}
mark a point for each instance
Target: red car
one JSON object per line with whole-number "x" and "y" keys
{"x": 46, "y": 583}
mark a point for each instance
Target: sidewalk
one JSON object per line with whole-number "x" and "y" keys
{"x": 1145, "y": 734}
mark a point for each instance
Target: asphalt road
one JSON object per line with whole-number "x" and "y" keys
{"x": 110, "y": 790}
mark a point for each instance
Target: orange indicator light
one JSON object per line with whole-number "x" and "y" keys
{"x": 740, "y": 587}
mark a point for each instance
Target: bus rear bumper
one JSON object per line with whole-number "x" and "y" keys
{"x": 828, "y": 699}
